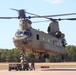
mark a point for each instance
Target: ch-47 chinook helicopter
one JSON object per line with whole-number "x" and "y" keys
{"x": 28, "y": 39}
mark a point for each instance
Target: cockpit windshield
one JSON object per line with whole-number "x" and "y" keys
{"x": 26, "y": 33}
{"x": 22, "y": 33}
{"x": 18, "y": 33}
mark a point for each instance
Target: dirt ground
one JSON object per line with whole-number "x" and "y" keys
{"x": 54, "y": 69}
{"x": 38, "y": 73}
{"x": 4, "y": 66}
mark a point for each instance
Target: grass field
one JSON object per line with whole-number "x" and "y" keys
{"x": 4, "y": 66}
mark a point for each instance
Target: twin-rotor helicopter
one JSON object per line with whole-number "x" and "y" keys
{"x": 29, "y": 39}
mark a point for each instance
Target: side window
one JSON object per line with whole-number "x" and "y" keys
{"x": 48, "y": 41}
{"x": 30, "y": 34}
{"x": 53, "y": 42}
{"x": 37, "y": 36}
{"x": 43, "y": 38}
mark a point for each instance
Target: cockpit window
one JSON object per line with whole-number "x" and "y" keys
{"x": 26, "y": 33}
{"x": 27, "y": 29}
{"x": 18, "y": 33}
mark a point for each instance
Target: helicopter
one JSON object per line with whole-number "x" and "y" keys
{"x": 29, "y": 39}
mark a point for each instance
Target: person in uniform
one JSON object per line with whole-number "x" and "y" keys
{"x": 32, "y": 65}
{"x": 22, "y": 58}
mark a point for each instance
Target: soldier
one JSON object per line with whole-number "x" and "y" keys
{"x": 22, "y": 58}
{"x": 32, "y": 65}
{"x": 26, "y": 63}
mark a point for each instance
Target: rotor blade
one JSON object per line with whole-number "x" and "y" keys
{"x": 69, "y": 19}
{"x": 8, "y": 17}
{"x": 25, "y": 11}
{"x": 40, "y": 21}
{"x": 47, "y": 16}
{"x": 36, "y": 16}
{"x": 28, "y": 13}
{"x": 14, "y": 9}
{"x": 31, "y": 13}
{"x": 55, "y": 20}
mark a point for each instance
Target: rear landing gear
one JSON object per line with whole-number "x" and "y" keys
{"x": 62, "y": 57}
{"x": 46, "y": 55}
{"x": 43, "y": 56}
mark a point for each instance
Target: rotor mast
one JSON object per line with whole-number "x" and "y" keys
{"x": 24, "y": 22}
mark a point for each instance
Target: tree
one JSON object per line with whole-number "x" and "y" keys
{"x": 70, "y": 53}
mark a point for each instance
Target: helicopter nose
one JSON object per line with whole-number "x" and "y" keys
{"x": 20, "y": 40}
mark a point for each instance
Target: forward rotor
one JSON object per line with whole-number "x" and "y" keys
{"x": 22, "y": 15}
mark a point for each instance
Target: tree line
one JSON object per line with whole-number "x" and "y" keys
{"x": 13, "y": 55}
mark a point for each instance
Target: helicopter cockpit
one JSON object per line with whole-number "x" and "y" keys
{"x": 19, "y": 33}
{"x": 23, "y": 33}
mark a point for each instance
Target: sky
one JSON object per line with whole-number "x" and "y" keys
{"x": 39, "y": 7}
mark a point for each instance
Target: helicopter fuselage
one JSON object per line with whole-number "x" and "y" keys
{"x": 34, "y": 40}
